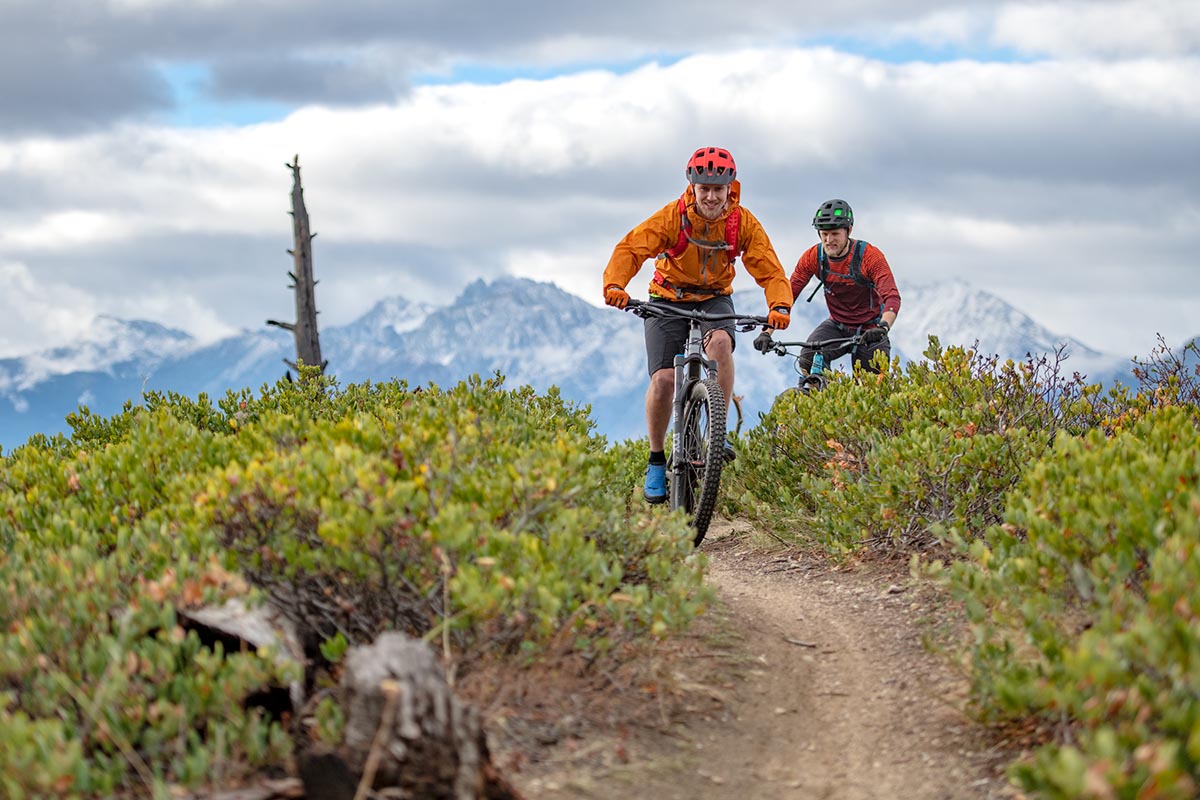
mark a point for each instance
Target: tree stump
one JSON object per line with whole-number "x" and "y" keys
{"x": 406, "y": 734}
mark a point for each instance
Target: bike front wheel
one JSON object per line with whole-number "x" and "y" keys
{"x": 700, "y": 455}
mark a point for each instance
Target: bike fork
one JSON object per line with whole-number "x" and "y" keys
{"x": 689, "y": 369}
{"x": 676, "y": 466}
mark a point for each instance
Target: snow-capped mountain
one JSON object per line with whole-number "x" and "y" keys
{"x": 958, "y": 314}
{"x": 100, "y": 371}
{"x": 532, "y": 333}
{"x": 110, "y": 344}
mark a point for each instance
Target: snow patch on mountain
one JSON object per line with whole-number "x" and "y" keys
{"x": 532, "y": 333}
{"x": 110, "y": 343}
{"x": 959, "y": 314}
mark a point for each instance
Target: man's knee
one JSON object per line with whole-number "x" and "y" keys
{"x": 662, "y": 380}
{"x": 719, "y": 343}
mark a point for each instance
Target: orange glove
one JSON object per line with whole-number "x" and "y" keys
{"x": 779, "y": 318}
{"x": 615, "y": 296}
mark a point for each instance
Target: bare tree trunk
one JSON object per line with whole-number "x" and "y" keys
{"x": 308, "y": 346}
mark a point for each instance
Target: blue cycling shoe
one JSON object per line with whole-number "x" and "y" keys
{"x": 655, "y": 488}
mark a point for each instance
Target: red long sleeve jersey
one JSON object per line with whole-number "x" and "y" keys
{"x": 851, "y": 303}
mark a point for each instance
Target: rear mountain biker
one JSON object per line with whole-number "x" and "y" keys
{"x": 695, "y": 241}
{"x": 860, "y": 292}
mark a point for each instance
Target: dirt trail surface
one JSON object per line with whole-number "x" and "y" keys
{"x": 813, "y": 682}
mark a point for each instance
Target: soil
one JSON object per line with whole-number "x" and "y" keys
{"x": 808, "y": 680}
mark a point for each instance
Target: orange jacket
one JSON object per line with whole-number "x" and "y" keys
{"x": 697, "y": 266}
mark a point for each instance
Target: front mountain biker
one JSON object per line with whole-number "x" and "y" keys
{"x": 860, "y": 292}
{"x": 695, "y": 241}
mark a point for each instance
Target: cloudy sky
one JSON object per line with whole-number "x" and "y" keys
{"x": 1048, "y": 152}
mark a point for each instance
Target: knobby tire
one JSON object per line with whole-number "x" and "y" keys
{"x": 703, "y": 449}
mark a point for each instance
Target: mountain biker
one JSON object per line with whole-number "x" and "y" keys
{"x": 694, "y": 241}
{"x": 860, "y": 292}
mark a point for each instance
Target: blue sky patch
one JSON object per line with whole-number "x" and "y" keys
{"x": 194, "y": 108}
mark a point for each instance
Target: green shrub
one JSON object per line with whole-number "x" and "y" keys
{"x": 889, "y": 459}
{"x": 1085, "y": 605}
{"x": 100, "y": 557}
{"x": 489, "y": 520}
{"x": 1170, "y": 378}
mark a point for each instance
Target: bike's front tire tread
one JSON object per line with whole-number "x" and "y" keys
{"x": 702, "y": 495}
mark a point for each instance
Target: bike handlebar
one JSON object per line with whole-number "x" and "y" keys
{"x": 644, "y": 308}
{"x": 769, "y": 345}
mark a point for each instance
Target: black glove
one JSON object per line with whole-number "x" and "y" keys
{"x": 763, "y": 342}
{"x": 876, "y": 334}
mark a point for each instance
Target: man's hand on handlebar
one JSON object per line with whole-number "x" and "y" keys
{"x": 876, "y": 334}
{"x": 779, "y": 318}
{"x": 616, "y": 296}
{"x": 763, "y": 342}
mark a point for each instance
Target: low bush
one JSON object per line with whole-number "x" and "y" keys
{"x": 481, "y": 518}
{"x": 1086, "y": 604}
{"x": 888, "y": 459}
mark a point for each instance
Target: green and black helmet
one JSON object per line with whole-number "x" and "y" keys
{"x": 833, "y": 214}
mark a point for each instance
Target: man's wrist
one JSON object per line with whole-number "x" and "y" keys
{"x": 883, "y": 323}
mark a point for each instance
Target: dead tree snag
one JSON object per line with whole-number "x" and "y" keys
{"x": 308, "y": 346}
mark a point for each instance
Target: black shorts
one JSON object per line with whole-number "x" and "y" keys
{"x": 666, "y": 337}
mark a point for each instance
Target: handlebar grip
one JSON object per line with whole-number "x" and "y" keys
{"x": 763, "y": 342}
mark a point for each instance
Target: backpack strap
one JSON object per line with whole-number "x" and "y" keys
{"x": 856, "y": 273}
{"x": 732, "y": 227}
{"x": 733, "y": 224}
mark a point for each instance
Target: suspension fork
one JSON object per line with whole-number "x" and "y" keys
{"x": 690, "y": 367}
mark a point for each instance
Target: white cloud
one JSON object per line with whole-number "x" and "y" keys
{"x": 956, "y": 26}
{"x": 39, "y": 314}
{"x": 67, "y": 230}
{"x": 1006, "y": 174}
{"x": 1083, "y": 28}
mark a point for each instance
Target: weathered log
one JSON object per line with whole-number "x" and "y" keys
{"x": 264, "y": 789}
{"x": 238, "y": 628}
{"x": 406, "y": 735}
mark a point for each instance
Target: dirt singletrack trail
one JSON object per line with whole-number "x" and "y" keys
{"x": 822, "y": 689}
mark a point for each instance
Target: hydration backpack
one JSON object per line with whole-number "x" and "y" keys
{"x": 856, "y": 273}
{"x": 732, "y": 224}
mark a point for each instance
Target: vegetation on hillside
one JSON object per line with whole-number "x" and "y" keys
{"x": 495, "y": 524}
{"x": 1066, "y": 519}
{"x": 489, "y": 521}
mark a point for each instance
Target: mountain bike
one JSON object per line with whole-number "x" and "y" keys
{"x": 697, "y": 416}
{"x": 815, "y": 379}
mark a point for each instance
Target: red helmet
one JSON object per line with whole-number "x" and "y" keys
{"x": 711, "y": 165}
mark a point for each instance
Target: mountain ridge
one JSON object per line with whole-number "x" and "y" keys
{"x": 531, "y": 332}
